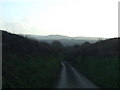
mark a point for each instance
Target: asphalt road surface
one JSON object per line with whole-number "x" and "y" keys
{"x": 70, "y": 78}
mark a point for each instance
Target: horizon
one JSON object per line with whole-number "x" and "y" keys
{"x": 73, "y": 18}
{"x": 57, "y": 35}
{"x": 65, "y": 36}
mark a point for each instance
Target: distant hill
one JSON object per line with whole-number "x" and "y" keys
{"x": 58, "y": 37}
{"x": 65, "y": 40}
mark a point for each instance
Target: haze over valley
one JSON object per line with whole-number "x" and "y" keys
{"x": 65, "y": 40}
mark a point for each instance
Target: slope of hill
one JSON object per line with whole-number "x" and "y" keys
{"x": 26, "y": 60}
{"x": 28, "y": 63}
{"x": 98, "y": 61}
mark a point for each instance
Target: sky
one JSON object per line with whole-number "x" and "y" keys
{"x": 90, "y": 18}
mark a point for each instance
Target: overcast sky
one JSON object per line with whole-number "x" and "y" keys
{"x": 91, "y": 18}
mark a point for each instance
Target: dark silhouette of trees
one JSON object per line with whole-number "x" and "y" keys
{"x": 102, "y": 49}
{"x": 57, "y": 47}
{"x": 23, "y": 46}
{"x": 57, "y": 44}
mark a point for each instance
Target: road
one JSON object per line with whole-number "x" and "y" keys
{"x": 70, "y": 78}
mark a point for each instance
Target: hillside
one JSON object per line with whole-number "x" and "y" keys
{"x": 27, "y": 60}
{"x": 98, "y": 61}
{"x": 28, "y": 63}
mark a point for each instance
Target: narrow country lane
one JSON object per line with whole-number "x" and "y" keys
{"x": 70, "y": 78}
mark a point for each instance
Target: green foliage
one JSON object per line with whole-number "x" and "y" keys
{"x": 31, "y": 64}
{"x": 30, "y": 72}
{"x": 28, "y": 63}
{"x": 98, "y": 61}
{"x": 103, "y": 72}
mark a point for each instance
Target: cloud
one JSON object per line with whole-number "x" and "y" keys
{"x": 18, "y": 27}
{"x": 69, "y": 17}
